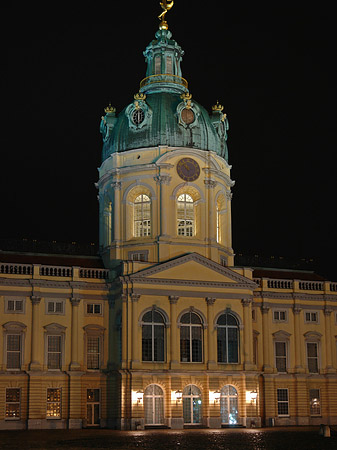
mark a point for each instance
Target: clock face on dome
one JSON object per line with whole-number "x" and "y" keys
{"x": 188, "y": 169}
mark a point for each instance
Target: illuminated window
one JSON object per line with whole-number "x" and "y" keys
{"x": 229, "y": 409}
{"x": 228, "y": 339}
{"x": 153, "y": 336}
{"x": 53, "y": 403}
{"x": 154, "y": 405}
{"x": 315, "y": 402}
{"x": 191, "y": 332}
{"x": 192, "y": 408}
{"x": 13, "y": 397}
{"x": 185, "y": 215}
{"x": 142, "y": 216}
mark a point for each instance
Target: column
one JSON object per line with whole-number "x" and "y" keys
{"x": 124, "y": 331}
{"x": 247, "y": 333}
{"x": 163, "y": 181}
{"x": 136, "y": 342}
{"x": 267, "y": 367}
{"x": 174, "y": 356}
{"x": 74, "y": 365}
{"x": 328, "y": 346}
{"x": 298, "y": 344}
{"x": 211, "y": 334}
{"x": 36, "y": 342}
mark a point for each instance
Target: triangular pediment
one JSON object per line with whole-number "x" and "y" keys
{"x": 193, "y": 268}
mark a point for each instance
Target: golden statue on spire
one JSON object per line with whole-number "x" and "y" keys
{"x": 166, "y": 6}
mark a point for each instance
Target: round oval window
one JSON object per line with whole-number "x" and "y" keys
{"x": 187, "y": 116}
{"x": 138, "y": 116}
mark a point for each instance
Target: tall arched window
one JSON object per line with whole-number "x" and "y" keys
{"x": 229, "y": 405}
{"x": 185, "y": 215}
{"x": 154, "y": 405}
{"x": 190, "y": 338}
{"x": 153, "y": 337}
{"x": 142, "y": 216}
{"x": 228, "y": 338}
{"x": 192, "y": 405}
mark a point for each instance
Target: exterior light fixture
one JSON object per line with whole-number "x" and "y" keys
{"x": 253, "y": 395}
{"x": 216, "y": 396}
{"x": 179, "y": 395}
{"x": 139, "y": 396}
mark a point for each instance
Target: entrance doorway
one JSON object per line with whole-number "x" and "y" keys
{"x": 192, "y": 407}
{"x": 93, "y": 407}
{"x": 229, "y": 405}
{"x": 154, "y": 405}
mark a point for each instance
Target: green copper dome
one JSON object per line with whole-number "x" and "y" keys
{"x": 163, "y": 112}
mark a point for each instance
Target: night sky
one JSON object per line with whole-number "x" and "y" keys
{"x": 271, "y": 69}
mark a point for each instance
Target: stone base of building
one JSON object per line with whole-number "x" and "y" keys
{"x": 13, "y": 425}
{"x": 47, "y": 424}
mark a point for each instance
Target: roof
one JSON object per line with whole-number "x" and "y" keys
{"x": 284, "y": 274}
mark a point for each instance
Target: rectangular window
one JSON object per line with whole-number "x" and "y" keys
{"x": 93, "y": 352}
{"x": 311, "y": 317}
{"x": 14, "y": 306}
{"x": 282, "y": 402}
{"x": 169, "y": 65}
{"x": 53, "y": 403}
{"x": 280, "y": 316}
{"x": 13, "y": 397}
{"x": 54, "y": 352}
{"x": 138, "y": 256}
{"x": 281, "y": 356}
{"x": 157, "y": 65}
{"x": 94, "y": 308}
{"x": 55, "y": 307}
{"x": 312, "y": 357}
{"x": 13, "y": 351}
{"x": 315, "y": 402}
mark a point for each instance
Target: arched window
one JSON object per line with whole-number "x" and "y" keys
{"x": 153, "y": 337}
{"x": 190, "y": 338}
{"x": 229, "y": 405}
{"x": 192, "y": 405}
{"x": 185, "y": 215}
{"x": 154, "y": 405}
{"x": 142, "y": 216}
{"x": 228, "y": 338}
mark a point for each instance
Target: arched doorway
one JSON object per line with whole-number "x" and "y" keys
{"x": 154, "y": 405}
{"x": 192, "y": 408}
{"x": 229, "y": 405}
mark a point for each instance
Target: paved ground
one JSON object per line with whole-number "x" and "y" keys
{"x": 292, "y": 438}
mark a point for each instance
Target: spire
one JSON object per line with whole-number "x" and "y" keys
{"x": 165, "y": 7}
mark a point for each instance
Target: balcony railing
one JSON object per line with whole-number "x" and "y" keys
{"x": 164, "y": 78}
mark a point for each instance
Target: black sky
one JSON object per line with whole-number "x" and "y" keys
{"x": 271, "y": 69}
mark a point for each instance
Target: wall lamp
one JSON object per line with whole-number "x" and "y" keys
{"x": 178, "y": 395}
{"x": 139, "y": 396}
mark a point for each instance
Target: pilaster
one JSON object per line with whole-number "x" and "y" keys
{"x": 35, "y": 363}
{"x": 74, "y": 365}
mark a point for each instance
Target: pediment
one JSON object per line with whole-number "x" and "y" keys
{"x": 193, "y": 269}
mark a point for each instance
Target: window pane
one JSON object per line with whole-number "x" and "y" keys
{"x": 196, "y": 344}
{"x": 53, "y": 403}
{"x": 147, "y": 342}
{"x": 233, "y": 354}
{"x": 54, "y": 352}
{"x": 282, "y": 402}
{"x": 158, "y": 343}
{"x": 312, "y": 349}
{"x": 315, "y": 403}
{"x": 222, "y": 345}
{"x": 93, "y": 347}
{"x": 185, "y": 344}
{"x": 13, "y": 351}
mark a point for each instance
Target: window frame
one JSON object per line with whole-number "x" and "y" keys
{"x": 13, "y": 328}
{"x": 185, "y": 218}
{"x": 145, "y": 229}
{"x": 283, "y": 357}
{"x": 54, "y": 329}
{"x": 54, "y": 302}
{"x": 312, "y": 414}
{"x": 317, "y": 357}
{"x": 279, "y": 402}
{"x": 13, "y": 403}
{"x": 190, "y": 326}
{"x": 15, "y": 310}
{"x": 226, "y": 328}
{"x": 279, "y": 320}
{"x": 310, "y": 321}
{"x": 153, "y": 325}
{"x": 94, "y": 304}
{"x": 94, "y": 330}
{"x": 54, "y": 402}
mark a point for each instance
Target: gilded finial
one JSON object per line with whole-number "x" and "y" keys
{"x": 217, "y": 107}
{"x": 109, "y": 109}
{"x": 140, "y": 96}
{"x": 166, "y": 6}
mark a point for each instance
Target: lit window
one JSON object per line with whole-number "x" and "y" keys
{"x": 192, "y": 405}
{"x": 315, "y": 402}
{"x": 185, "y": 215}
{"x": 228, "y": 339}
{"x": 13, "y": 396}
{"x": 282, "y": 402}
{"x": 281, "y": 356}
{"x": 154, "y": 405}
{"x": 142, "y": 216}
{"x": 53, "y": 403}
{"x": 190, "y": 338}
{"x": 153, "y": 337}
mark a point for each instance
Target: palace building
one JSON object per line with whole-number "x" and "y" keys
{"x": 163, "y": 329}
